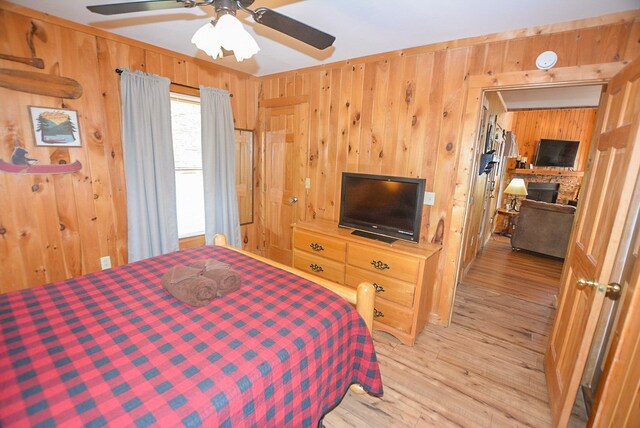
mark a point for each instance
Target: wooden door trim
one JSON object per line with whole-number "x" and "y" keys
{"x": 616, "y": 402}
{"x": 296, "y": 104}
{"x": 283, "y": 101}
{"x": 476, "y": 86}
{"x": 564, "y": 76}
{"x": 603, "y": 265}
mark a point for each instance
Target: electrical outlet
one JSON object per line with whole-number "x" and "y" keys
{"x": 429, "y": 198}
{"x": 105, "y": 262}
{"x": 307, "y": 183}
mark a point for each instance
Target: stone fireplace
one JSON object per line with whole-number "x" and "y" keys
{"x": 565, "y": 183}
{"x": 545, "y": 192}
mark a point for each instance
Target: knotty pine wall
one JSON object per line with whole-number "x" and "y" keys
{"x": 58, "y": 226}
{"x": 399, "y": 113}
{"x": 481, "y": 186}
{"x": 402, "y": 113}
{"x": 562, "y": 124}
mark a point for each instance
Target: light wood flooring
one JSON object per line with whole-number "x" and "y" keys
{"x": 486, "y": 368}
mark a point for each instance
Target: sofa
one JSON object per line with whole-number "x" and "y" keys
{"x": 543, "y": 227}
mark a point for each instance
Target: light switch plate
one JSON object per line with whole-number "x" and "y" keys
{"x": 429, "y": 198}
{"x": 105, "y": 262}
{"x": 307, "y": 183}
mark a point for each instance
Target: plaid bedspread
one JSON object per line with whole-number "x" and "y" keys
{"x": 114, "y": 348}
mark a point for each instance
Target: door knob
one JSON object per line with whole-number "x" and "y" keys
{"x": 614, "y": 288}
{"x": 293, "y": 200}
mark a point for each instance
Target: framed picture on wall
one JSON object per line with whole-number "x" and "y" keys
{"x": 55, "y": 127}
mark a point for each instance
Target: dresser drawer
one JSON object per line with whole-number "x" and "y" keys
{"x": 398, "y": 266}
{"x": 319, "y": 244}
{"x": 392, "y": 315}
{"x": 388, "y": 288}
{"x": 325, "y": 268}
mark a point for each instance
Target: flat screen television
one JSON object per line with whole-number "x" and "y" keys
{"x": 382, "y": 207}
{"x": 561, "y": 153}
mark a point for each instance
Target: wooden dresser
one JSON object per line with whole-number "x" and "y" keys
{"x": 402, "y": 273}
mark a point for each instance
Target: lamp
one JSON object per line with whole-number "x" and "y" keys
{"x": 227, "y": 33}
{"x": 516, "y": 188}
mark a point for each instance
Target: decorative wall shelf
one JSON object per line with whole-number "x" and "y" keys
{"x": 538, "y": 171}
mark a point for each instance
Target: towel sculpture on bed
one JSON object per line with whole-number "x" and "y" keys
{"x": 201, "y": 282}
{"x": 228, "y": 280}
{"x": 187, "y": 285}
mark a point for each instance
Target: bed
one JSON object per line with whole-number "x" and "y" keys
{"x": 114, "y": 348}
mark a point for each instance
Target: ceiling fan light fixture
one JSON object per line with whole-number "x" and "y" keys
{"x": 228, "y": 33}
{"x": 206, "y": 39}
{"x": 234, "y": 37}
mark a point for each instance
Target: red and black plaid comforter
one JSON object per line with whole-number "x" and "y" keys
{"x": 114, "y": 348}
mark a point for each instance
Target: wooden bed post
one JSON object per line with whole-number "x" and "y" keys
{"x": 219, "y": 239}
{"x": 365, "y": 299}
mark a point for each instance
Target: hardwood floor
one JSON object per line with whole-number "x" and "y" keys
{"x": 486, "y": 368}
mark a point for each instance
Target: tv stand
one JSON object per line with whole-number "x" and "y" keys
{"x": 369, "y": 235}
{"x": 402, "y": 274}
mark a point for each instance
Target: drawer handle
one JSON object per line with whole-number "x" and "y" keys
{"x": 377, "y": 313}
{"x": 314, "y": 267}
{"x": 380, "y": 265}
{"x": 379, "y": 288}
{"x": 316, "y": 247}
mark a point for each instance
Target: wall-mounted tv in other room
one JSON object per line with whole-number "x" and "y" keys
{"x": 560, "y": 153}
{"x": 382, "y": 207}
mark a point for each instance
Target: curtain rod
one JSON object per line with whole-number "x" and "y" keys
{"x": 119, "y": 71}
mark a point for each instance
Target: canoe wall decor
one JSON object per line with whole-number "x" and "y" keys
{"x": 40, "y": 169}
{"x": 21, "y": 163}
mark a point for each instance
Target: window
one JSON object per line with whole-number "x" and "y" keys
{"x": 187, "y": 153}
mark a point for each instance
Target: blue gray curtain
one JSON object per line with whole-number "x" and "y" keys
{"x": 148, "y": 164}
{"x": 219, "y": 167}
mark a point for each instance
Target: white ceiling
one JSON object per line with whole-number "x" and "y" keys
{"x": 545, "y": 98}
{"x": 361, "y": 27}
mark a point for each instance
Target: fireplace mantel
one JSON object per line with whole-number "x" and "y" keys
{"x": 541, "y": 171}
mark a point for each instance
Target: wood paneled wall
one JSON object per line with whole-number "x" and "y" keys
{"x": 485, "y": 187}
{"x": 402, "y": 113}
{"x": 565, "y": 124}
{"x": 58, "y": 226}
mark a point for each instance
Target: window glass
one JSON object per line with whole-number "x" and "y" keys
{"x": 187, "y": 153}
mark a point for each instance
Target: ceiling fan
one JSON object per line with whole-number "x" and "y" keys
{"x": 279, "y": 22}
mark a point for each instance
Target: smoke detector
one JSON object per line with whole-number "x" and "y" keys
{"x": 546, "y": 60}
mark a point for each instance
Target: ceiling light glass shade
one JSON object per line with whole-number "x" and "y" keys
{"x": 206, "y": 39}
{"x": 516, "y": 187}
{"x": 228, "y": 33}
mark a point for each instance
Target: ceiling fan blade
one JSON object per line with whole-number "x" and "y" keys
{"x": 137, "y": 6}
{"x": 296, "y": 29}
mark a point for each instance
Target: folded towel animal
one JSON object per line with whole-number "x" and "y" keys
{"x": 187, "y": 285}
{"x": 227, "y": 280}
